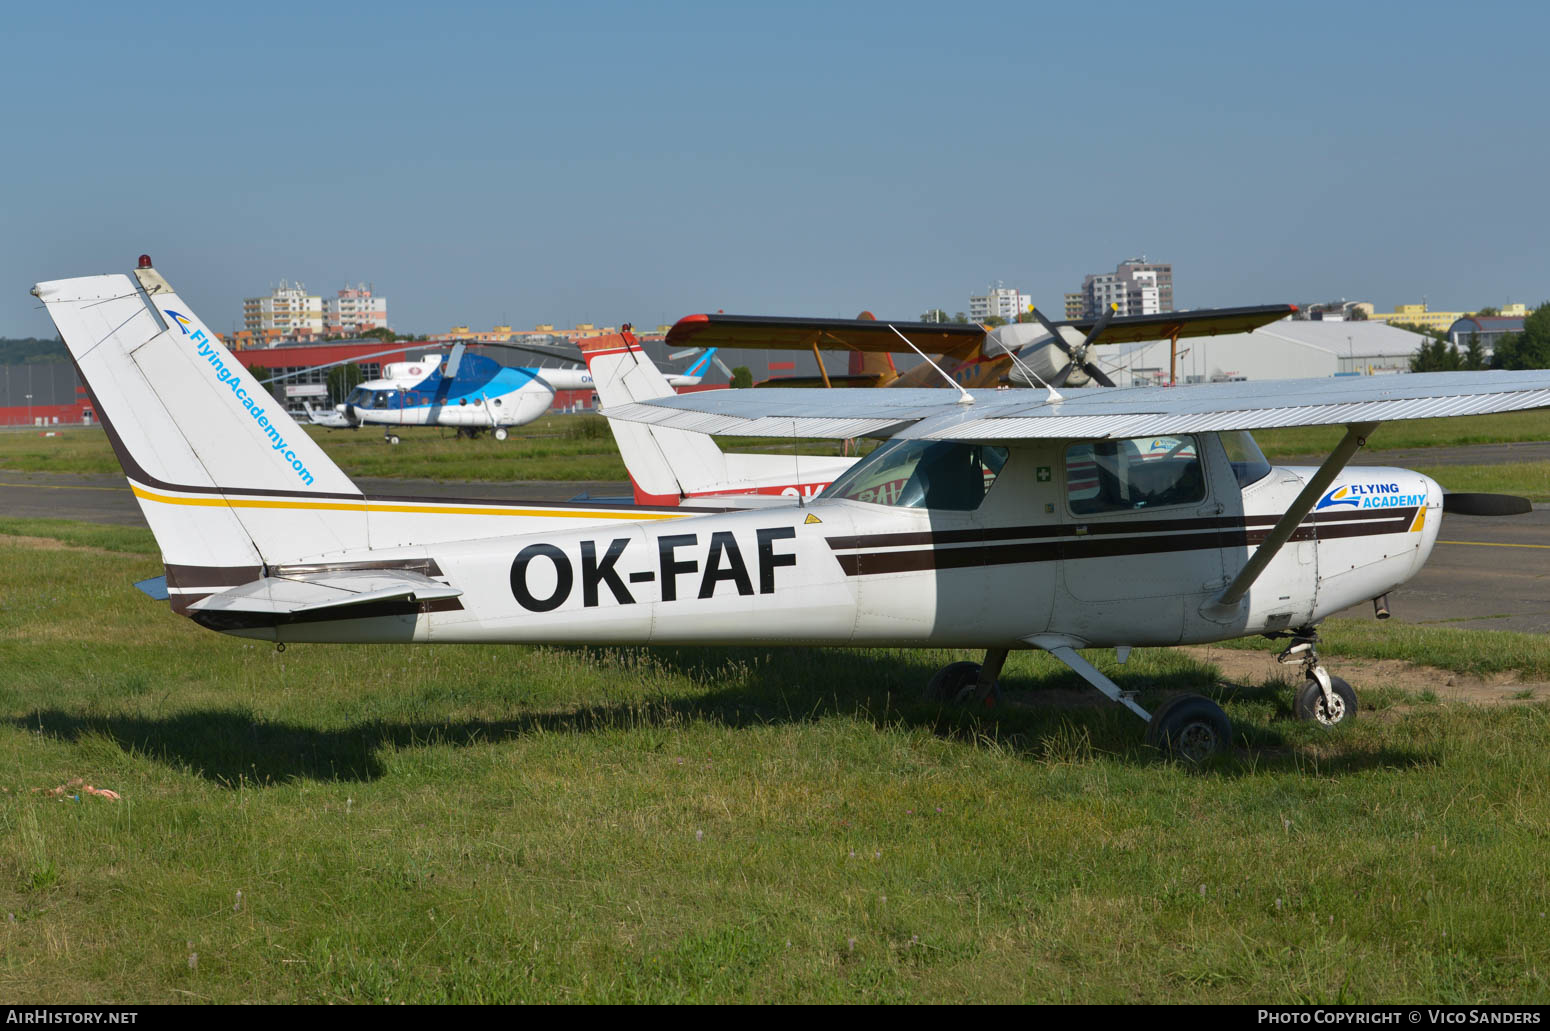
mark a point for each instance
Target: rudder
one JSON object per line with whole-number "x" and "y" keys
{"x": 225, "y": 477}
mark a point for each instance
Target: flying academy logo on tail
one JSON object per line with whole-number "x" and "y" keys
{"x": 232, "y": 381}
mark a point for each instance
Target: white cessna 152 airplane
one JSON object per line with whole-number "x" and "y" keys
{"x": 1114, "y": 518}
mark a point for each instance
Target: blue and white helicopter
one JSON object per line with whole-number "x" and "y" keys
{"x": 470, "y": 392}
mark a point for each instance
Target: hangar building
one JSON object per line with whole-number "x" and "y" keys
{"x": 1282, "y": 350}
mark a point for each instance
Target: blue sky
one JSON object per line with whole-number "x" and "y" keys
{"x": 608, "y": 162}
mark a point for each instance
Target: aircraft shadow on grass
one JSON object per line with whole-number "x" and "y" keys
{"x": 1038, "y": 719}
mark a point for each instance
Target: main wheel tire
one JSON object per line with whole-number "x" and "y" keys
{"x": 1310, "y": 705}
{"x": 1159, "y": 713}
{"x": 954, "y": 684}
{"x": 500, "y": 433}
{"x": 392, "y": 438}
{"x": 1192, "y": 728}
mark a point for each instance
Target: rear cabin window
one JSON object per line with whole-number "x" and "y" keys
{"x": 922, "y": 474}
{"x": 1124, "y": 475}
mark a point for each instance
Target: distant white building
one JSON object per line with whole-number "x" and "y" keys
{"x": 1135, "y": 287}
{"x": 998, "y": 301}
{"x": 288, "y": 309}
{"x": 1282, "y": 350}
{"x": 355, "y": 310}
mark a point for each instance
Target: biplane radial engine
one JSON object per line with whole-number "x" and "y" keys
{"x": 990, "y": 520}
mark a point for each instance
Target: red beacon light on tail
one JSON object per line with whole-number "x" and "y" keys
{"x": 145, "y": 261}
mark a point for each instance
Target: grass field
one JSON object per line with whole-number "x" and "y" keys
{"x": 580, "y": 447}
{"x": 555, "y": 447}
{"x": 480, "y": 824}
{"x": 1413, "y": 433}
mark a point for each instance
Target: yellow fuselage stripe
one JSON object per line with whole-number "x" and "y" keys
{"x": 373, "y": 506}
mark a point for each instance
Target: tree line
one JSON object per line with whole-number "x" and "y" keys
{"x": 1529, "y": 349}
{"x": 31, "y": 351}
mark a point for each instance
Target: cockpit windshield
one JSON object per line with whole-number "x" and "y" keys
{"x": 943, "y": 475}
{"x": 1248, "y": 461}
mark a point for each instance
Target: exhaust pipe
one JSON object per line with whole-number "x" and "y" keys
{"x": 1380, "y": 606}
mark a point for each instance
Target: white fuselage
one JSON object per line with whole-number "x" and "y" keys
{"x": 844, "y": 571}
{"x": 485, "y": 395}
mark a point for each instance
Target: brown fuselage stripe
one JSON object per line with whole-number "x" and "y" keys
{"x": 939, "y": 537}
{"x": 211, "y": 576}
{"x": 1111, "y": 547}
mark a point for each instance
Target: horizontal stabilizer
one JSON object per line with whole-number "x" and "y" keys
{"x": 286, "y": 595}
{"x": 154, "y": 588}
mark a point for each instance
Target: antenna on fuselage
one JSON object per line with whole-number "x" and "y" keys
{"x": 1054, "y": 395}
{"x": 964, "y": 397}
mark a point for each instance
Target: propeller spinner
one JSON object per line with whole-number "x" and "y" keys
{"x": 1077, "y": 355}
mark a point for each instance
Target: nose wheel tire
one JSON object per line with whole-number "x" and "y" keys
{"x": 391, "y": 438}
{"x": 957, "y": 683}
{"x": 500, "y": 433}
{"x": 1191, "y": 728}
{"x": 1337, "y": 710}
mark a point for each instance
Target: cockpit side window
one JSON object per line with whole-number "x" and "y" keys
{"x": 1123, "y": 475}
{"x": 942, "y": 475}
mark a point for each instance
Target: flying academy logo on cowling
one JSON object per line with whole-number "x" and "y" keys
{"x": 1369, "y": 495}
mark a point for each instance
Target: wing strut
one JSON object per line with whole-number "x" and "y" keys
{"x": 1225, "y": 605}
{"x": 821, "y": 370}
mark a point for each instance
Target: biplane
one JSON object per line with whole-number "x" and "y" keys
{"x": 987, "y": 520}
{"x": 970, "y": 355}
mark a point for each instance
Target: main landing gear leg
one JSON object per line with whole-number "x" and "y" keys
{"x": 1189, "y": 727}
{"x": 1323, "y": 699}
{"x": 986, "y": 685}
{"x": 965, "y": 683}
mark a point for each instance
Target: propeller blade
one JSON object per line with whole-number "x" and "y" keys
{"x": 1485, "y": 504}
{"x": 1060, "y": 377}
{"x": 1097, "y": 374}
{"x": 1054, "y": 334}
{"x": 686, "y": 352}
{"x": 718, "y": 363}
{"x": 1098, "y": 328}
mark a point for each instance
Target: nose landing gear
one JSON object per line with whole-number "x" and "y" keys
{"x": 1322, "y": 699}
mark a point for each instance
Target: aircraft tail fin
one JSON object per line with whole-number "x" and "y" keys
{"x": 665, "y": 465}
{"x": 702, "y": 365}
{"x": 227, "y": 480}
{"x": 878, "y": 364}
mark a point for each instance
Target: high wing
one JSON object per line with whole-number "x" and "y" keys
{"x": 1203, "y": 322}
{"x": 949, "y": 338}
{"x": 998, "y": 415}
{"x": 778, "y": 333}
